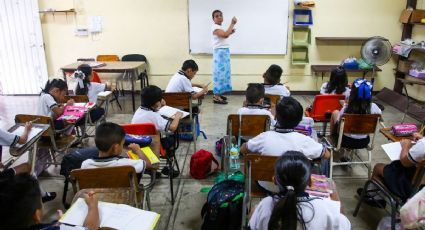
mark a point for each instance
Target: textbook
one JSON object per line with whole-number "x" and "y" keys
{"x": 148, "y": 153}
{"x": 392, "y": 150}
{"x": 117, "y": 216}
{"x": 169, "y": 112}
{"x": 34, "y": 132}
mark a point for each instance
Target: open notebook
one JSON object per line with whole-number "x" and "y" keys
{"x": 169, "y": 112}
{"x": 34, "y": 131}
{"x": 118, "y": 216}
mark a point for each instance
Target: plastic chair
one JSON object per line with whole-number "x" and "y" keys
{"x": 143, "y": 76}
{"x": 381, "y": 190}
{"x": 107, "y": 177}
{"x": 322, "y": 108}
{"x": 355, "y": 124}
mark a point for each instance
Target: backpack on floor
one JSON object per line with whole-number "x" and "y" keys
{"x": 223, "y": 209}
{"x": 186, "y": 129}
{"x": 201, "y": 164}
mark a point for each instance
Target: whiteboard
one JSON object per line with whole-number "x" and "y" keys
{"x": 262, "y": 26}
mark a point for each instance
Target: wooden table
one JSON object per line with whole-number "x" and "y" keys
{"x": 130, "y": 69}
{"x": 30, "y": 146}
{"x": 328, "y": 68}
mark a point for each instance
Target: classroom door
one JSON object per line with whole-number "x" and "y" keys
{"x": 23, "y": 67}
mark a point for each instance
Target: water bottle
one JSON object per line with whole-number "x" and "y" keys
{"x": 234, "y": 158}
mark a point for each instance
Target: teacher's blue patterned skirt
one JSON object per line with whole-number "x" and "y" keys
{"x": 221, "y": 71}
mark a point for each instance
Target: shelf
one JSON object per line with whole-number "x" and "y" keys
{"x": 328, "y": 68}
{"x": 57, "y": 11}
{"x": 341, "y": 39}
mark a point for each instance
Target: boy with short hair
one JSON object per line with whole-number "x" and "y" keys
{"x": 272, "y": 83}
{"x": 21, "y": 207}
{"x": 253, "y": 104}
{"x": 283, "y": 138}
{"x": 181, "y": 81}
{"x": 109, "y": 140}
{"x": 147, "y": 112}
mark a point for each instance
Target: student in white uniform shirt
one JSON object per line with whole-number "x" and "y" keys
{"x": 109, "y": 139}
{"x": 337, "y": 83}
{"x": 292, "y": 207}
{"x": 272, "y": 83}
{"x": 283, "y": 138}
{"x": 147, "y": 112}
{"x": 253, "y": 104}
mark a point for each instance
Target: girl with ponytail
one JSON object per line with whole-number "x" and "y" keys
{"x": 292, "y": 208}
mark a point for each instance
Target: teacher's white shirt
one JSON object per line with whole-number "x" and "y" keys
{"x": 217, "y": 41}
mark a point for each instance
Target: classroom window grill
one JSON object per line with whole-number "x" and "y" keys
{"x": 23, "y": 67}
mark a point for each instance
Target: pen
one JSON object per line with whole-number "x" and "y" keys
{"x": 34, "y": 120}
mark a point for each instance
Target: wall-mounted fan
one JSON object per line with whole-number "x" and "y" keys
{"x": 376, "y": 51}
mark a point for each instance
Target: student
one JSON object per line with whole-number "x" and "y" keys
{"x": 48, "y": 105}
{"x": 84, "y": 86}
{"x": 21, "y": 207}
{"x": 359, "y": 102}
{"x": 272, "y": 83}
{"x": 398, "y": 174}
{"x": 181, "y": 81}
{"x": 109, "y": 139}
{"x": 147, "y": 112}
{"x": 283, "y": 138}
{"x": 292, "y": 208}
{"x": 254, "y": 102}
{"x": 337, "y": 83}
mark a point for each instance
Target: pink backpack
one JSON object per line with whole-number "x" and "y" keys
{"x": 201, "y": 163}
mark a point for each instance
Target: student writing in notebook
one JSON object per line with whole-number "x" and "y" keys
{"x": 109, "y": 139}
{"x": 272, "y": 83}
{"x": 21, "y": 207}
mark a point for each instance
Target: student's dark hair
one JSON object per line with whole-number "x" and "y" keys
{"x": 84, "y": 71}
{"x": 108, "y": 134}
{"x": 190, "y": 64}
{"x": 55, "y": 83}
{"x": 292, "y": 174}
{"x": 151, "y": 95}
{"x": 216, "y": 11}
{"x": 20, "y": 197}
{"x": 357, "y": 105}
{"x": 338, "y": 81}
{"x": 254, "y": 93}
{"x": 273, "y": 74}
{"x": 289, "y": 113}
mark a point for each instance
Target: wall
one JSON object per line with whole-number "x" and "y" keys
{"x": 159, "y": 29}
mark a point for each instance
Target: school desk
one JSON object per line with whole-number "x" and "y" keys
{"x": 409, "y": 80}
{"x": 328, "y": 68}
{"x": 30, "y": 145}
{"x": 129, "y": 69}
{"x": 390, "y": 136}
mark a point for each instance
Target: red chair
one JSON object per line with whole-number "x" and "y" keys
{"x": 323, "y": 106}
{"x": 95, "y": 77}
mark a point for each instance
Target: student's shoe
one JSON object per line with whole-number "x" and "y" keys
{"x": 48, "y": 197}
{"x": 166, "y": 171}
{"x": 217, "y": 101}
{"x": 368, "y": 199}
{"x": 223, "y": 97}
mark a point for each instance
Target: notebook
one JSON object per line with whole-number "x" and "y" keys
{"x": 169, "y": 112}
{"x": 34, "y": 132}
{"x": 103, "y": 95}
{"x": 148, "y": 153}
{"x": 392, "y": 150}
{"x": 87, "y": 105}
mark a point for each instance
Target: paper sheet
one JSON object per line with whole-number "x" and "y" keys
{"x": 169, "y": 112}
{"x": 392, "y": 150}
{"x": 197, "y": 89}
{"x": 34, "y": 131}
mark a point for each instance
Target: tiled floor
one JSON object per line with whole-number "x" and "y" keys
{"x": 185, "y": 214}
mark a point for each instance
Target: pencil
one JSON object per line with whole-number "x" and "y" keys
{"x": 422, "y": 129}
{"x": 34, "y": 120}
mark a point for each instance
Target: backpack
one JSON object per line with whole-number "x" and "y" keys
{"x": 223, "y": 209}
{"x": 200, "y": 164}
{"x": 412, "y": 213}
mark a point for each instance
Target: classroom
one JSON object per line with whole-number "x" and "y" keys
{"x": 212, "y": 114}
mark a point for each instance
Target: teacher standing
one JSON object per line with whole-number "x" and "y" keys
{"x": 221, "y": 57}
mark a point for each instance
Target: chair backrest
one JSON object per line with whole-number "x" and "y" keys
{"x": 359, "y": 123}
{"x": 178, "y": 100}
{"x": 251, "y": 125}
{"x": 325, "y": 104}
{"x": 258, "y": 168}
{"x": 134, "y": 57}
{"x": 95, "y": 77}
{"x": 140, "y": 129}
{"x": 274, "y": 99}
{"x": 106, "y": 177}
{"x": 77, "y": 98}
{"x": 86, "y": 59}
{"x": 37, "y": 119}
{"x": 107, "y": 57}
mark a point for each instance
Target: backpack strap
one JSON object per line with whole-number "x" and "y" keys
{"x": 216, "y": 163}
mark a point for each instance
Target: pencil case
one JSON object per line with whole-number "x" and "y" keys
{"x": 405, "y": 129}
{"x": 137, "y": 139}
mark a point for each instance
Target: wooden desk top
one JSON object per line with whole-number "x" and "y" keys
{"x": 110, "y": 67}
{"x": 329, "y": 68}
{"x": 412, "y": 80}
{"x": 18, "y": 151}
{"x": 388, "y": 134}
